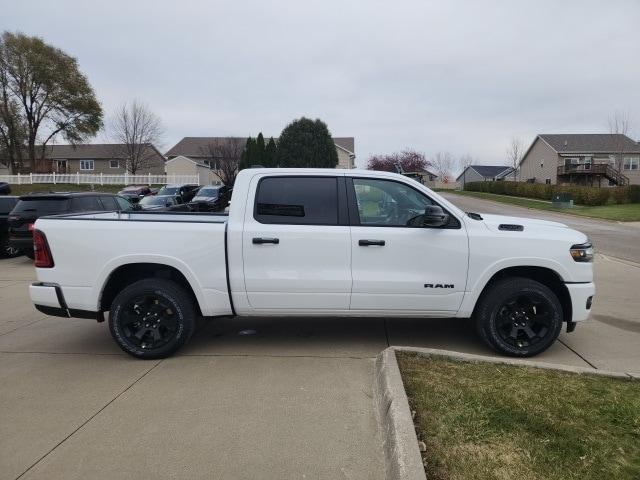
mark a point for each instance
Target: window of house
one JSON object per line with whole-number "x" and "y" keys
{"x": 631, "y": 163}
{"x": 548, "y": 181}
{"x": 114, "y": 163}
{"x": 86, "y": 165}
{"x": 542, "y": 163}
{"x": 297, "y": 200}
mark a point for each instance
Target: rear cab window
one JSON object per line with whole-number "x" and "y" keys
{"x": 297, "y": 200}
{"x": 42, "y": 206}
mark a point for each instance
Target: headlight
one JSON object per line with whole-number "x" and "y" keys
{"x": 582, "y": 252}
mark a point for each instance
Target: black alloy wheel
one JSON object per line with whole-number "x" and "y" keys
{"x": 152, "y": 318}
{"x": 519, "y": 317}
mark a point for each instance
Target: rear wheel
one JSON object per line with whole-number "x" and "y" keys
{"x": 29, "y": 253}
{"x": 152, "y": 318}
{"x": 519, "y": 317}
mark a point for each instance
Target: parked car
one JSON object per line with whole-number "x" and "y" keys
{"x": 6, "y": 205}
{"x": 134, "y": 193}
{"x": 185, "y": 192}
{"x": 163, "y": 202}
{"x": 33, "y": 206}
{"x": 310, "y": 242}
{"x": 5, "y": 188}
{"x": 211, "y": 198}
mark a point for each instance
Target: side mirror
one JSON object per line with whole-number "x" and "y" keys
{"x": 434, "y": 217}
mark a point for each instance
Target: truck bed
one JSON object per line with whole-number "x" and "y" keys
{"x": 141, "y": 216}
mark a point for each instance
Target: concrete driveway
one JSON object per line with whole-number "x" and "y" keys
{"x": 292, "y": 401}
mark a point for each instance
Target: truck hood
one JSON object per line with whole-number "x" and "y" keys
{"x": 493, "y": 222}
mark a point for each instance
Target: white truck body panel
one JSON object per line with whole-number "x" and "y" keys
{"x": 315, "y": 269}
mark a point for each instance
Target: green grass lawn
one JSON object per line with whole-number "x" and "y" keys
{"x": 64, "y": 187}
{"x": 490, "y": 421}
{"x": 629, "y": 212}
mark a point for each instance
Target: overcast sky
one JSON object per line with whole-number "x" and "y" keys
{"x": 454, "y": 76}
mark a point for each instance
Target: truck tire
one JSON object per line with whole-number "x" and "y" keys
{"x": 519, "y": 317}
{"x": 152, "y": 318}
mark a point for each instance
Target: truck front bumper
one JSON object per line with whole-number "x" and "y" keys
{"x": 581, "y": 299}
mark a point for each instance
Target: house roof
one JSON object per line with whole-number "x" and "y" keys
{"x": 88, "y": 151}
{"x": 590, "y": 143}
{"x": 197, "y": 146}
{"x": 489, "y": 171}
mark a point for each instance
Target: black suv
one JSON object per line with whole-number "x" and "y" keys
{"x": 6, "y": 205}
{"x": 185, "y": 192}
{"x": 33, "y": 206}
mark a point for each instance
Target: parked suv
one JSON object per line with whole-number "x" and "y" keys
{"x": 211, "y": 198}
{"x": 184, "y": 192}
{"x": 6, "y": 205}
{"x": 134, "y": 193}
{"x": 33, "y": 206}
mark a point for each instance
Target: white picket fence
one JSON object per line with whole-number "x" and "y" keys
{"x": 98, "y": 179}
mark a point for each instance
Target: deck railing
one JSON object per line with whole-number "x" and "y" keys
{"x": 604, "y": 169}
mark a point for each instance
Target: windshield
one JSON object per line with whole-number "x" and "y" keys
{"x": 208, "y": 192}
{"x": 169, "y": 191}
{"x": 42, "y": 206}
{"x": 155, "y": 201}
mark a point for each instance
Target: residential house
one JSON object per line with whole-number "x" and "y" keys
{"x": 485, "y": 173}
{"x": 582, "y": 159}
{"x": 197, "y": 149}
{"x": 93, "y": 158}
{"x": 182, "y": 165}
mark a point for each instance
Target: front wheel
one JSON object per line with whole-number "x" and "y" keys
{"x": 519, "y": 317}
{"x": 152, "y": 318}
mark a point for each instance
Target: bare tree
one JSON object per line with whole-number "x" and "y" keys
{"x": 443, "y": 164}
{"x": 619, "y": 126}
{"x": 515, "y": 150}
{"x": 135, "y": 129}
{"x": 408, "y": 159}
{"x": 225, "y": 154}
{"x": 464, "y": 161}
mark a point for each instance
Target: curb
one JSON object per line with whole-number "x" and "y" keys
{"x": 402, "y": 459}
{"x": 402, "y": 456}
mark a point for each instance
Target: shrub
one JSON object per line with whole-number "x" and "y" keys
{"x": 581, "y": 195}
{"x": 620, "y": 194}
{"x": 634, "y": 193}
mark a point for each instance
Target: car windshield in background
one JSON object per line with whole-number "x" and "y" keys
{"x": 42, "y": 206}
{"x": 208, "y": 192}
{"x": 155, "y": 201}
{"x": 169, "y": 191}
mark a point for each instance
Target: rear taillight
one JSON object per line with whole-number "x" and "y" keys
{"x": 42, "y": 254}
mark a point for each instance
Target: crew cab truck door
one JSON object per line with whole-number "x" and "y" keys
{"x": 296, "y": 244}
{"x": 398, "y": 267}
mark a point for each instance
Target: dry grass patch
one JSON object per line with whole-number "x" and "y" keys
{"x": 490, "y": 421}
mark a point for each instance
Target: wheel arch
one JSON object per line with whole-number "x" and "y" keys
{"x": 127, "y": 274}
{"x": 546, "y": 276}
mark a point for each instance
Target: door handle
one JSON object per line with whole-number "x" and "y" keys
{"x": 260, "y": 240}
{"x": 368, "y": 243}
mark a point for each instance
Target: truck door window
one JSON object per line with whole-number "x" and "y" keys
{"x": 387, "y": 203}
{"x": 297, "y": 200}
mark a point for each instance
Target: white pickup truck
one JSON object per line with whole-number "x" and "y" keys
{"x": 315, "y": 242}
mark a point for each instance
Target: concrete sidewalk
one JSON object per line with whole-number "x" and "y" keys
{"x": 292, "y": 401}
